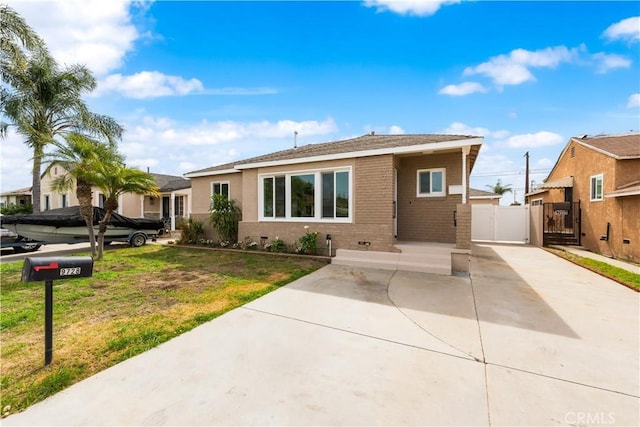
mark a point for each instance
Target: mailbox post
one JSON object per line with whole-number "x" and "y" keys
{"x": 48, "y": 269}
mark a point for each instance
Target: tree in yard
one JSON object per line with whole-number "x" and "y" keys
{"x": 224, "y": 216}
{"x": 79, "y": 157}
{"x": 44, "y": 102}
{"x": 114, "y": 178}
{"x": 500, "y": 189}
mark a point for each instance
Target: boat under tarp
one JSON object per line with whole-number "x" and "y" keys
{"x": 66, "y": 225}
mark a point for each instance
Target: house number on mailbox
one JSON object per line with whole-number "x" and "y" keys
{"x": 74, "y": 271}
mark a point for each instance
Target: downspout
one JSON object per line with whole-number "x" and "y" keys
{"x": 172, "y": 211}
{"x": 141, "y": 206}
{"x": 465, "y": 153}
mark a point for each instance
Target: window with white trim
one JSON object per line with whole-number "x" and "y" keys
{"x": 319, "y": 195}
{"x": 64, "y": 201}
{"x": 596, "y": 187}
{"x": 221, "y": 187}
{"x": 47, "y": 202}
{"x": 536, "y": 202}
{"x": 431, "y": 182}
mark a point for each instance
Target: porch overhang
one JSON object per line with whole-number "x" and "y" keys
{"x": 566, "y": 182}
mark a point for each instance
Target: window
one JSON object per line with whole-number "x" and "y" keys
{"x": 303, "y": 196}
{"x": 431, "y": 182}
{"x": 178, "y": 206}
{"x": 64, "y": 201}
{"x": 220, "y": 188}
{"x": 310, "y": 195}
{"x": 102, "y": 199}
{"x": 47, "y": 202}
{"x": 573, "y": 151}
{"x": 596, "y": 187}
{"x": 536, "y": 202}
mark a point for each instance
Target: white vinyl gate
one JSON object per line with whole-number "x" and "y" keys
{"x": 504, "y": 224}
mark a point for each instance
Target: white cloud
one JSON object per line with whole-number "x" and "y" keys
{"x": 396, "y": 130}
{"x": 634, "y": 101}
{"x": 462, "y": 89}
{"x": 154, "y": 84}
{"x": 459, "y": 128}
{"x": 410, "y": 7}
{"x": 383, "y": 130}
{"x": 605, "y": 62}
{"x": 16, "y": 164}
{"x": 165, "y": 145}
{"x": 147, "y": 84}
{"x": 514, "y": 68}
{"x": 533, "y": 140}
{"x": 95, "y": 33}
{"x": 627, "y": 29}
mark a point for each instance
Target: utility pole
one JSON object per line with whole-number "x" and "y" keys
{"x": 526, "y": 174}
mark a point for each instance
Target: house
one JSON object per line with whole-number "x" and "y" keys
{"x": 19, "y": 197}
{"x": 172, "y": 204}
{"x": 481, "y": 197}
{"x": 362, "y": 194}
{"x": 592, "y": 196}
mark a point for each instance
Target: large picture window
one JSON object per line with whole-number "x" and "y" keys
{"x": 596, "y": 187}
{"x": 431, "y": 182}
{"x": 311, "y": 195}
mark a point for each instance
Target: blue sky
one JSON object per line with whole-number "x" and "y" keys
{"x": 207, "y": 82}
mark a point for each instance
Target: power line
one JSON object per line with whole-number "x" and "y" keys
{"x": 509, "y": 173}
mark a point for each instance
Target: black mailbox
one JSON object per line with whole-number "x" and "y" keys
{"x": 37, "y": 269}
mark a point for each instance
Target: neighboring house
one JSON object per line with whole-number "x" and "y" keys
{"x": 16, "y": 197}
{"x": 172, "y": 204}
{"x": 592, "y": 195}
{"x": 365, "y": 193}
{"x": 481, "y": 197}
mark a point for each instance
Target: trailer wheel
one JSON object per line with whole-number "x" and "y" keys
{"x": 137, "y": 240}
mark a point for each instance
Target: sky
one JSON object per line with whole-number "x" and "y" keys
{"x": 200, "y": 83}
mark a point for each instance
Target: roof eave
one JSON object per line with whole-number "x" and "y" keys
{"x": 429, "y": 147}
{"x": 210, "y": 173}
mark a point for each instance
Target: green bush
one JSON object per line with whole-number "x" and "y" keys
{"x": 192, "y": 231}
{"x": 16, "y": 209}
{"x": 276, "y": 245}
{"x": 309, "y": 242}
{"x": 224, "y": 217}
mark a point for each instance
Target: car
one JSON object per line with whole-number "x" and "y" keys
{"x": 11, "y": 240}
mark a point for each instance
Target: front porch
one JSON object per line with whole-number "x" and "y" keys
{"x": 426, "y": 257}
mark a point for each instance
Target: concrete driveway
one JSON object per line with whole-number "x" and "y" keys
{"x": 528, "y": 339}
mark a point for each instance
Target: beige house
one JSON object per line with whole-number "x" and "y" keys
{"x": 18, "y": 197}
{"x": 172, "y": 204}
{"x": 366, "y": 193}
{"x": 592, "y": 196}
{"x": 481, "y": 197}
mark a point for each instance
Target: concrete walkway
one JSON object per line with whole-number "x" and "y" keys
{"x": 528, "y": 339}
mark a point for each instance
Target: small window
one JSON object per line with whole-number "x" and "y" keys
{"x": 65, "y": 201}
{"x": 431, "y": 182}
{"x": 303, "y": 196}
{"x": 273, "y": 196}
{"x": 47, "y": 202}
{"x": 573, "y": 151}
{"x": 220, "y": 188}
{"x": 536, "y": 202}
{"x": 596, "y": 187}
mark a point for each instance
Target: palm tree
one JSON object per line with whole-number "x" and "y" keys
{"x": 500, "y": 189}
{"x": 45, "y": 102}
{"x": 114, "y": 179}
{"x": 79, "y": 157}
{"x": 15, "y": 35}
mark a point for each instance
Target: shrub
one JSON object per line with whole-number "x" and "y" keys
{"x": 192, "y": 231}
{"x": 276, "y": 245}
{"x": 224, "y": 216}
{"x": 16, "y": 209}
{"x": 309, "y": 242}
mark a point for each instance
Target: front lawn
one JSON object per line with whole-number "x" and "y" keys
{"x": 136, "y": 299}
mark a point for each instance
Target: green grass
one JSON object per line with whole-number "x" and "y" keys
{"x": 620, "y": 275}
{"x": 137, "y": 299}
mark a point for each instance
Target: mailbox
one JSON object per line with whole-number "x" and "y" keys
{"x": 37, "y": 269}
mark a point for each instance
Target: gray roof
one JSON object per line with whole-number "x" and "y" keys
{"x": 618, "y": 146}
{"x": 474, "y": 192}
{"x": 20, "y": 192}
{"x": 361, "y": 143}
{"x": 169, "y": 183}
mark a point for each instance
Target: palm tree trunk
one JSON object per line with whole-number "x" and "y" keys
{"x": 35, "y": 188}
{"x": 110, "y": 205}
{"x": 84, "y": 193}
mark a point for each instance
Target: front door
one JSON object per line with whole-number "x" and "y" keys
{"x": 166, "y": 201}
